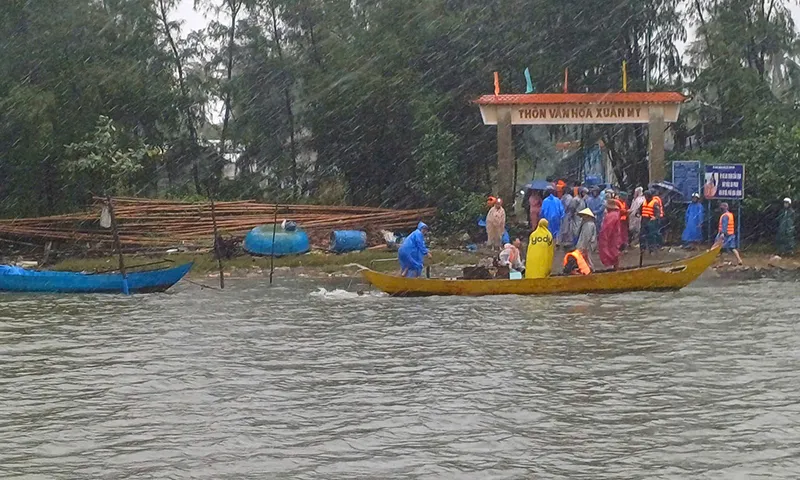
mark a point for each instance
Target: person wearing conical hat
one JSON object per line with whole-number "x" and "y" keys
{"x": 587, "y": 235}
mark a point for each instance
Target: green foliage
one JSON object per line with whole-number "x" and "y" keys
{"x": 102, "y": 159}
{"x": 772, "y": 163}
{"x": 366, "y": 102}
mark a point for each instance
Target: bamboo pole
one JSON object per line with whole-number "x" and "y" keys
{"x": 118, "y": 246}
{"x": 216, "y": 241}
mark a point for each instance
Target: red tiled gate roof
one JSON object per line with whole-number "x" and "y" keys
{"x": 581, "y": 98}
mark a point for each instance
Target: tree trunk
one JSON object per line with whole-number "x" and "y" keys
{"x": 187, "y": 110}
{"x": 235, "y": 6}
{"x": 288, "y": 96}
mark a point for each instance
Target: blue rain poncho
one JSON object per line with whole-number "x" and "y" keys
{"x": 412, "y": 252}
{"x": 598, "y": 208}
{"x": 553, "y": 212}
{"x": 693, "y": 231}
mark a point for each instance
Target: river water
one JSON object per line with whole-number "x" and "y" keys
{"x": 293, "y": 382}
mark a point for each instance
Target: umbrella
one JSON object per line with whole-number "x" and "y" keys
{"x": 537, "y": 185}
{"x": 668, "y": 186}
{"x": 671, "y": 192}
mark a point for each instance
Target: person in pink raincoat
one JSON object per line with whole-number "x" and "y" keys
{"x": 610, "y": 239}
{"x": 495, "y": 224}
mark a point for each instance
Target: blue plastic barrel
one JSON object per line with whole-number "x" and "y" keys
{"x": 348, "y": 241}
{"x": 259, "y": 241}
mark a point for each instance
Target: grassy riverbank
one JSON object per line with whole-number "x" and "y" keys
{"x": 756, "y": 265}
{"x": 205, "y": 263}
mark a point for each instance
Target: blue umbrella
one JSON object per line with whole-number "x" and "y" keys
{"x": 537, "y": 185}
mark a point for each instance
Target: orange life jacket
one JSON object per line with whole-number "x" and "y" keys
{"x": 560, "y": 186}
{"x": 648, "y": 209}
{"x": 623, "y": 210}
{"x": 660, "y": 206}
{"x": 583, "y": 267}
{"x": 731, "y": 230}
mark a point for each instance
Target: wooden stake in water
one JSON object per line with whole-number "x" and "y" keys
{"x": 272, "y": 253}
{"x": 118, "y": 245}
{"x": 217, "y": 251}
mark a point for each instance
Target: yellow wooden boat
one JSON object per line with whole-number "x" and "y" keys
{"x": 663, "y": 277}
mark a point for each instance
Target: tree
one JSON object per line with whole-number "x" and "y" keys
{"x": 104, "y": 164}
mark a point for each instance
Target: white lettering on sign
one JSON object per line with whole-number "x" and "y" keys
{"x": 579, "y": 113}
{"x": 597, "y": 113}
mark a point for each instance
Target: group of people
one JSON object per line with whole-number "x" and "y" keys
{"x": 584, "y": 221}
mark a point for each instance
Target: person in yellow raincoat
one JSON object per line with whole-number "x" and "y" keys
{"x": 541, "y": 248}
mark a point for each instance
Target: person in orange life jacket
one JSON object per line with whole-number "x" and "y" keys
{"x": 727, "y": 232}
{"x": 659, "y": 222}
{"x": 649, "y": 212}
{"x": 575, "y": 263}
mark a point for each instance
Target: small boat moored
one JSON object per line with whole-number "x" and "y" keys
{"x": 664, "y": 277}
{"x": 16, "y": 279}
{"x": 259, "y": 241}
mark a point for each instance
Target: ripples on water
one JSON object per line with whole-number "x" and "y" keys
{"x": 294, "y": 382}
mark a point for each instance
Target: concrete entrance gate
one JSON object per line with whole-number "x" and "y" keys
{"x": 653, "y": 108}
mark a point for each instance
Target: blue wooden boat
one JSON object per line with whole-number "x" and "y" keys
{"x": 15, "y": 279}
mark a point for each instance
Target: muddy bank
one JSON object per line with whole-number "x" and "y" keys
{"x": 445, "y": 262}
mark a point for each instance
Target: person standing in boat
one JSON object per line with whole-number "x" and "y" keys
{"x": 541, "y": 248}
{"x": 693, "y": 230}
{"x": 412, "y": 252}
{"x": 587, "y": 236}
{"x": 552, "y": 211}
{"x": 649, "y": 230}
{"x": 635, "y": 216}
{"x": 610, "y": 239}
{"x": 727, "y": 232}
{"x": 595, "y": 203}
{"x": 495, "y": 224}
{"x": 567, "y": 233}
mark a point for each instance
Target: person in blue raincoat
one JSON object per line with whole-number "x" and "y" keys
{"x": 596, "y": 205}
{"x": 413, "y": 251}
{"x": 552, "y": 211}
{"x": 693, "y": 231}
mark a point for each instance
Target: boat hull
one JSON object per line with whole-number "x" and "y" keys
{"x": 665, "y": 277}
{"x": 73, "y": 282}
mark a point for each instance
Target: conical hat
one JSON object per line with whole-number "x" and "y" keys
{"x": 586, "y": 212}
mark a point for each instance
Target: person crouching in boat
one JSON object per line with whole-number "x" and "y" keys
{"x": 412, "y": 252}
{"x": 575, "y": 263}
{"x": 510, "y": 256}
{"x": 541, "y": 248}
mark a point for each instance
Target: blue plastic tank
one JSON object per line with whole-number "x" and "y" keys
{"x": 348, "y": 241}
{"x": 259, "y": 241}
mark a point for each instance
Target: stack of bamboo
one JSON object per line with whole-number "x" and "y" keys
{"x": 146, "y": 223}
